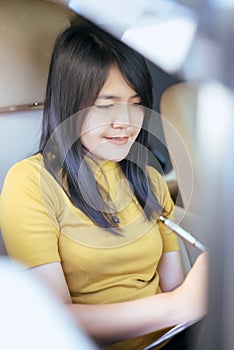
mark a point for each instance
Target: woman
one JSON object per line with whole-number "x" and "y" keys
{"x": 86, "y": 206}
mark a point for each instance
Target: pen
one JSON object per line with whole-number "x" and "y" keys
{"x": 183, "y": 234}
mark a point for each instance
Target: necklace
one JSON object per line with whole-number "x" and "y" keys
{"x": 115, "y": 219}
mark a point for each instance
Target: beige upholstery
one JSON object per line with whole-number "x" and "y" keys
{"x": 178, "y": 110}
{"x": 28, "y": 29}
{"x": 191, "y": 223}
{"x": 2, "y": 245}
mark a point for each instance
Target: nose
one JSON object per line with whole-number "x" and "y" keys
{"x": 122, "y": 117}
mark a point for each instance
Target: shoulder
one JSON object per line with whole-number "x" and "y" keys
{"x": 25, "y": 167}
{"x": 29, "y": 185}
{"x": 25, "y": 173}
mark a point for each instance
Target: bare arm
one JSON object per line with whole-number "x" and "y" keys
{"x": 119, "y": 321}
{"x": 171, "y": 271}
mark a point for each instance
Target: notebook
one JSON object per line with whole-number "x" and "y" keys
{"x": 173, "y": 331}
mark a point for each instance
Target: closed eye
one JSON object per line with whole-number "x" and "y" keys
{"x": 137, "y": 105}
{"x": 105, "y": 106}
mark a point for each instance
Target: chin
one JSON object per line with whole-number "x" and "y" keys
{"x": 114, "y": 157}
{"x": 117, "y": 160}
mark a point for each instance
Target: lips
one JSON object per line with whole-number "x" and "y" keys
{"x": 118, "y": 140}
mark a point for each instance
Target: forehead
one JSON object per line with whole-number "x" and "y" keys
{"x": 116, "y": 86}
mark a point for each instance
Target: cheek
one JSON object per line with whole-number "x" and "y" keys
{"x": 91, "y": 139}
{"x": 83, "y": 140}
{"x": 138, "y": 126}
{"x": 136, "y": 133}
{"x": 137, "y": 119}
{"x": 87, "y": 140}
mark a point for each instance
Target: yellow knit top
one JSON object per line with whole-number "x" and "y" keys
{"x": 40, "y": 225}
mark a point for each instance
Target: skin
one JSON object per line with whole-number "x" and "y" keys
{"x": 115, "y": 121}
{"x": 181, "y": 300}
{"x": 109, "y": 323}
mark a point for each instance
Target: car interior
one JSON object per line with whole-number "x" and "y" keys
{"x": 193, "y": 97}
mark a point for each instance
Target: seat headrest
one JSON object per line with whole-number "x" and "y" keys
{"x": 28, "y": 31}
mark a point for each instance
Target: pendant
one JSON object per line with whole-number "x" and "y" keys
{"x": 115, "y": 219}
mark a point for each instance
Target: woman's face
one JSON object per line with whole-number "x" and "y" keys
{"x": 114, "y": 122}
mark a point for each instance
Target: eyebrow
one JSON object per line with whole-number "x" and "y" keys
{"x": 110, "y": 97}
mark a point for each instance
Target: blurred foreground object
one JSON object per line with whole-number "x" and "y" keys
{"x": 31, "y": 318}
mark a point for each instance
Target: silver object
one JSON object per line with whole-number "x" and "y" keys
{"x": 183, "y": 234}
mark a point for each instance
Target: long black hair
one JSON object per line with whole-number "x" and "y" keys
{"x": 80, "y": 63}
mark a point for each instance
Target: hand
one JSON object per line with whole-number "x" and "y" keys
{"x": 195, "y": 289}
